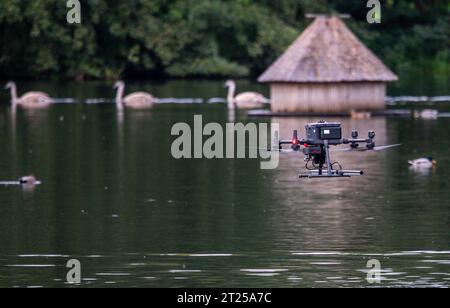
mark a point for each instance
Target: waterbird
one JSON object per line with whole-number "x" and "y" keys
{"x": 246, "y": 100}
{"x": 427, "y": 114}
{"x": 135, "y": 100}
{"x": 423, "y": 163}
{"x": 28, "y": 180}
{"x": 360, "y": 115}
{"x": 29, "y": 99}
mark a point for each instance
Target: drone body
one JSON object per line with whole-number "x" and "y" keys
{"x": 316, "y": 147}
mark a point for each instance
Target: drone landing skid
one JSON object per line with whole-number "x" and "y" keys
{"x": 333, "y": 174}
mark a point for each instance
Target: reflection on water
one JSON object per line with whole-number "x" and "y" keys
{"x": 341, "y": 209}
{"x": 295, "y": 269}
{"x": 113, "y": 198}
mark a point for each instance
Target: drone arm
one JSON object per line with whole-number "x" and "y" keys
{"x": 295, "y": 143}
{"x": 348, "y": 141}
{"x": 285, "y": 142}
{"x": 292, "y": 142}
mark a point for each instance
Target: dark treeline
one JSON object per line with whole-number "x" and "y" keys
{"x": 215, "y": 38}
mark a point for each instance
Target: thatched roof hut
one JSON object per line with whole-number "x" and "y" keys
{"x": 327, "y": 69}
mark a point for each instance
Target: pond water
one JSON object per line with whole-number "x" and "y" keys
{"x": 113, "y": 197}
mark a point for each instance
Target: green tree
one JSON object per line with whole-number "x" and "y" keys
{"x": 179, "y": 38}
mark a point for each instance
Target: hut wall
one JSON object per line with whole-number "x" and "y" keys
{"x": 327, "y": 97}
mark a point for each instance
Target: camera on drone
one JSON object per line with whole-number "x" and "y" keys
{"x": 318, "y": 133}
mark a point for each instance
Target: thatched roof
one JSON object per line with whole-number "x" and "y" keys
{"x": 327, "y": 51}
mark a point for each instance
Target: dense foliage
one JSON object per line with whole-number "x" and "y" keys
{"x": 178, "y": 38}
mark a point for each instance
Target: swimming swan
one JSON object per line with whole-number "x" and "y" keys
{"x": 134, "y": 100}
{"x": 246, "y": 100}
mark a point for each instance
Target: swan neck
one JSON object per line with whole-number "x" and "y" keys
{"x": 231, "y": 93}
{"x": 119, "y": 95}
{"x": 13, "y": 90}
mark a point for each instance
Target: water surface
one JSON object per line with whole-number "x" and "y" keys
{"x": 114, "y": 198}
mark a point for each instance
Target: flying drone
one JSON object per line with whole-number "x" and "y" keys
{"x": 316, "y": 147}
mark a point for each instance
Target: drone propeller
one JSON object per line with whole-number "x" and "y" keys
{"x": 364, "y": 149}
{"x": 288, "y": 151}
{"x": 385, "y": 147}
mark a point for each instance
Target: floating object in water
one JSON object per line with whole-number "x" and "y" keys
{"x": 98, "y": 100}
{"x": 29, "y": 99}
{"x": 427, "y": 114}
{"x": 440, "y": 99}
{"x": 423, "y": 163}
{"x": 381, "y": 113}
{"x": 360, "y": 115}
{"x": 417, "y": 99}
{"x": 25, "y": 181}
{"x": 172, "y": 100}
{"x": 216, "y": 100}
{"x": 135, "y": 100}
{"x": 247, "y": 100}
{"x": 28, "y": 180}
{"x": 409, "y": 99}
{"x": 64, "y": 101}
{"x": 169, "y": 100}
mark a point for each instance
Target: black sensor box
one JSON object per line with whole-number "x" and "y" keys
{"x": 316, "y": 133}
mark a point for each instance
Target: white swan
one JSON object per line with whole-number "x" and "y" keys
{"x": 247, "y": 100}
{"x": 135, "y": 100}
{"x": 29, "y": 99}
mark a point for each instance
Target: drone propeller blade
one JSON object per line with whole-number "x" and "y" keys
{"x": 385, "y": 147}
{"x": 287, "y": 151}
{"x": 364, "y": 149}
{"x": 346, "y": 150}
